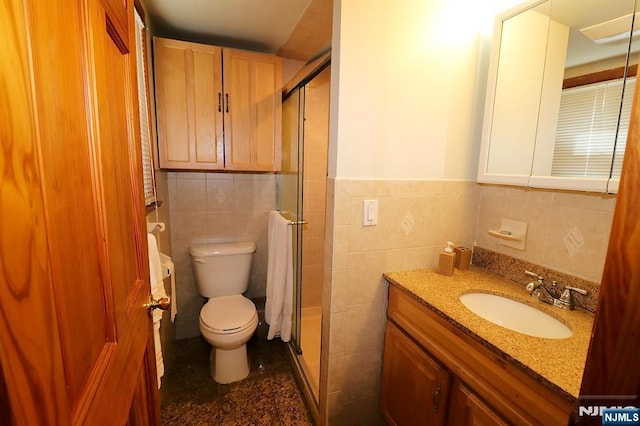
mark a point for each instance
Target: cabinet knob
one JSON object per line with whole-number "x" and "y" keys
{"x": 436, "y": 398}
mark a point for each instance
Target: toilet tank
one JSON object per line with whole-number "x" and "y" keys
{"x": 222, "y": 269}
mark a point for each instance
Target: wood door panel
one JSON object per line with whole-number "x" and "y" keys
{"x": 239, "y": 120}
{"x": 30, "y": 353}
{"x": 266, "y": 120}
{"x": 481, "y": 414}
{"x": 117, "y": 23}
{"x": 466, "y": 408}
{"x": 108, "y": 396}
{"x": 118, "y": 201}
{"x": 171, "y": 103}
{"x": 75, "y": 278}
{"x": 142, "y": 409}
{"x": 205, "y": 66}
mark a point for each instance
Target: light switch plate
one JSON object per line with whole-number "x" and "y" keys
{"x": 369, "y": 212}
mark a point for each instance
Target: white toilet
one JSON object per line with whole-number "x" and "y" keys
{"x": 228, "y": 319}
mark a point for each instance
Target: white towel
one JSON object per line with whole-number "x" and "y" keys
{"x": 157, "y": 291}
{"x": 279, "y": 305}
{"x": 169, "y": 270}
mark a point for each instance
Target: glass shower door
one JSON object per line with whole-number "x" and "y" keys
{"x": 301, "y": 196}
{"x": 289, "y": 194}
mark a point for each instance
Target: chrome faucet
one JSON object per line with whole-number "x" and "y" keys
{"x": 540, "y": 292}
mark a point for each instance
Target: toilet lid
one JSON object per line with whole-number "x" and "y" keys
{"x": 228, "y": 313}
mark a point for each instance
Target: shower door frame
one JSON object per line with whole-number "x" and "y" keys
{"x": 299, "y": 89}
{"x": 299, "y": 227}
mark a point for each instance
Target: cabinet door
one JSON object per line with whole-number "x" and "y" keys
{"x": 189, "y": 105}
{"x": 253, "y": 110}
{"x": 512, "y": 108}
{"x": 466, "y": 408}
{"x": 414, "y": 387}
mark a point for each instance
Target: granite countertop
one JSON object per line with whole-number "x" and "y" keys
{"x": 559, "y": 363}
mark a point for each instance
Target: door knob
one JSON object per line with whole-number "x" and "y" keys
{"x": 164, "y": 303}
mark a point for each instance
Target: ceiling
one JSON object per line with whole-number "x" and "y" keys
{"x": 296, "y": 29}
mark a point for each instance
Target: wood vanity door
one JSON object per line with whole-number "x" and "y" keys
{"x": 415, "y": 388}
{"x": 466, "y": 408}
{"x": 74, "y": 332}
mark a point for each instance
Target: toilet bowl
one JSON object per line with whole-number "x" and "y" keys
{"x": 227, "y": 323}
{"x": 228, "y": 319}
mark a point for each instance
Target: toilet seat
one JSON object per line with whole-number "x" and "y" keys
{"x": 228, "y": 314}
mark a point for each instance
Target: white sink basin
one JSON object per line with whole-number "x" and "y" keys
{"x": 515, "y": 316}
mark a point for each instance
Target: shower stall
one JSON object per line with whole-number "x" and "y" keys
{"x": 301, "y": 197}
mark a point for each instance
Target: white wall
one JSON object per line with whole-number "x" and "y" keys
{"x": 405, "y": 92}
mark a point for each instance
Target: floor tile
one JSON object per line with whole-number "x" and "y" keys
{"x": 269, "y": 396}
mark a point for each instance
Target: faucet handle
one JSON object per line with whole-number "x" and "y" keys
{"x": 577, "y": 290}
{"x": 567, "y": 301}
{"x": 533, "y": 274}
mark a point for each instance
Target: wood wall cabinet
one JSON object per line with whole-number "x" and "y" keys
{"x": 477, "y": 387}
{"x": 217, "y": 108}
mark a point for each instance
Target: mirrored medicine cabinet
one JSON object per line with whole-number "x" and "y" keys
{"x": 559, "y": 93}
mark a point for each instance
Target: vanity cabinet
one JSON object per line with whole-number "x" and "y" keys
{"x": 217, "y": 108}
{"x": 477, "y": 386}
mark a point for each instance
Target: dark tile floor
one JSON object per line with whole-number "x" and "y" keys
{"x": 269, "y": 396}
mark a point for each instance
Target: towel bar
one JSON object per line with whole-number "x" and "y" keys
{"x": 299, "y": 222}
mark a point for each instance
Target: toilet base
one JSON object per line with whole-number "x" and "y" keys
{"x": 229, "y": 365}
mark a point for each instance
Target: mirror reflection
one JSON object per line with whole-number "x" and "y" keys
{"x": 591, "y": 116}
{"x": 563, "y": 77}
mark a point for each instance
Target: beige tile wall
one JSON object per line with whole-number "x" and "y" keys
{"x": 568, "y": 231}
{"x": 415, "y": 220}
{"x": 219, "y": 206}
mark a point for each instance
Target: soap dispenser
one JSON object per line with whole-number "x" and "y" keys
{"x": 447, "y": 260}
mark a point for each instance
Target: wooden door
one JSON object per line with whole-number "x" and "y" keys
{"x": 189, "y": 104}
{"x": 415, "y": 388}
{"x": 253, "y": 110}
{"x": 75, "y": 346}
